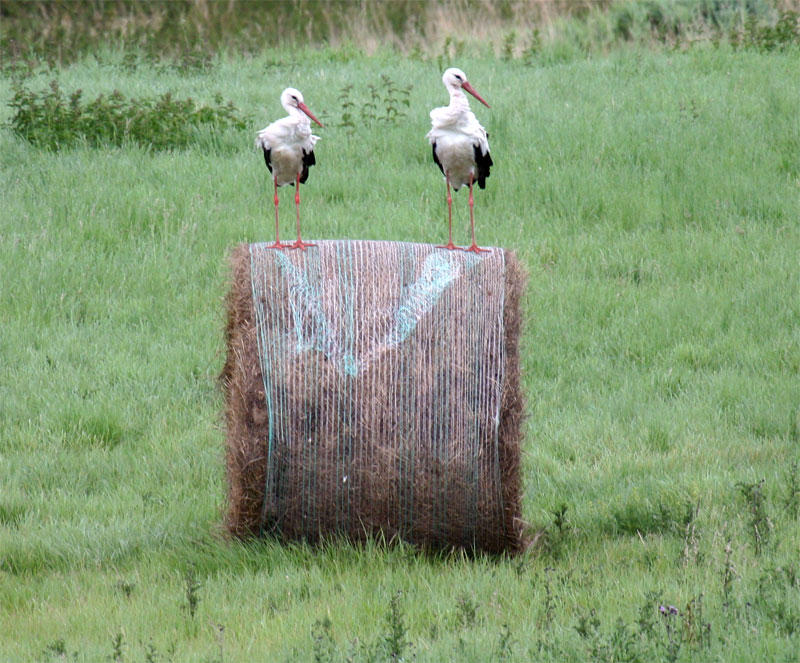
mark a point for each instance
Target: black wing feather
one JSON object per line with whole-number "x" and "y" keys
{"x": 484, "y": 163}
{"x": 308, "y": 160}
{"x": 268, "y": 158}
{"x": 436, "y": 158}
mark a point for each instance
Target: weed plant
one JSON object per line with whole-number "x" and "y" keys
{"x": 785, "y": 33}
{"x": 379, "y": 103}
{"x": 51, "y": 120}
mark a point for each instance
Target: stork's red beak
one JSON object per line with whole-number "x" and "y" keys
{"x": 466, "y": 86}
{"x": 305, "y": 109}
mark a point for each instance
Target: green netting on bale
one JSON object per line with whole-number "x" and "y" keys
{"x": 373, "y": 386}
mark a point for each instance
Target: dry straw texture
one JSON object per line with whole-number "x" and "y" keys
{"x": 373, "y": 387}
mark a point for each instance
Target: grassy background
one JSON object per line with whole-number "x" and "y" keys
{"x": 653, "y": 196}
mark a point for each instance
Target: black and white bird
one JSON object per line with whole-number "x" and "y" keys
{"x": 460, "y": 147}
{"x": 288, "y": 146}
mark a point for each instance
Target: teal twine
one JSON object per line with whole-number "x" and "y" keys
{"x": 421, "y": 296}
{"x": 475, "y": 330}
{"x": 403, "y": 319}
{"x": 345, "y": 306}
{"x": 265, "y": 376}
{"x": 502, "y": 363}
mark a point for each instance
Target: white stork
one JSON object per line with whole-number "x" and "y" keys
{"x": 288, "y": 146}
{"x": 460, "y": 146}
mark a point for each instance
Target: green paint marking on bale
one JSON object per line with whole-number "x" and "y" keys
{"x": 374, "y": 387}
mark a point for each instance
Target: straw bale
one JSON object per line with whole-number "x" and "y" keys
{"x": 373, "y": 387}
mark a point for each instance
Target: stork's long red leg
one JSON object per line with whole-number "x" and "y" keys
{"x": 449, "y": 244}
{"x": 473, "y": 247}
{"x": 277, "y": 244}
{"x": 299, "y": 244}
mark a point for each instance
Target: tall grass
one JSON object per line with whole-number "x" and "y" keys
{"x": 193, "y": 31}
{"x": 652, "y": 196}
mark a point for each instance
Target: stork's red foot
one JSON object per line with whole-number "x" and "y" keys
{"x": 476, "y": 249}
{"x": 450, "y": 246}
{"x": 300, "y": 244}
{"x": 279, "y": 245}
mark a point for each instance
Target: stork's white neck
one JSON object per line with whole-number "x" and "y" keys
{"x": 458, "y": 100}
{"x": 297, "y": 115}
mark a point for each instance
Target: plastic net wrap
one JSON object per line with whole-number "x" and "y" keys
{"x": 374, "y": 387}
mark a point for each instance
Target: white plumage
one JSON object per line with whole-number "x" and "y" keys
{"x": 459, "y": 143}
{"x": 288, "y": 147}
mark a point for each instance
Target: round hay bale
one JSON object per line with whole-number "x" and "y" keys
{"x": 373, "y": 387}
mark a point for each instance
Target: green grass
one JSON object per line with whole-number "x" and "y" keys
{"x": 654, "y": 199}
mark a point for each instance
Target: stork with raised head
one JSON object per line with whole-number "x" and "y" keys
{"x": 460, "y": 147}
{"x": 288, "y": 146}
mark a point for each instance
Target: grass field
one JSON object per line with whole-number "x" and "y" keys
{"x": 654, "y": 199}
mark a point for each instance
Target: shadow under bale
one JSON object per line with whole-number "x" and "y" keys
{"x": 373, "y": 387}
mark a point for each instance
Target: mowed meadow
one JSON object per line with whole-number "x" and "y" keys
{"x": 653, "y": 196}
